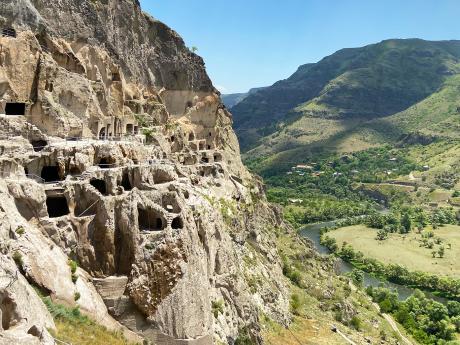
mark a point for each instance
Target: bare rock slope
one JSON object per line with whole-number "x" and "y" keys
{"x": 117, "y": 153}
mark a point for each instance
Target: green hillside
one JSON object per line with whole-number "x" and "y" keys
{"x": 328, "y": 104}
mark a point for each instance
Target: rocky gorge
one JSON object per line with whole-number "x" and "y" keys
{"x": 118, "y": 155}
{"x": 123, "y": 194}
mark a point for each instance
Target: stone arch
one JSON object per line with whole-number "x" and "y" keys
{"x": 39, "y": 144}
{"x": 102, "y": 133}
{"x": 150, "y": 219}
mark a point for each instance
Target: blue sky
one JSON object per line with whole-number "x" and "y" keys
{"x": 250, "y": 43}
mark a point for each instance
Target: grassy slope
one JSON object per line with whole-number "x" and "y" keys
{"x": 405, "y": 249}
{"x": 74, "y": 328}
{"x": 367, "y": 83}
{"x": 404, "y": 86}
{"x": 438, "y": 115}
{"x": 320, "y": 296}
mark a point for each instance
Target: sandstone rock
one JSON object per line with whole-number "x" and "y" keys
{"x": 126, "y": 163}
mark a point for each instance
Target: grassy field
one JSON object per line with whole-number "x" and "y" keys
{"x": 405, "y": 249}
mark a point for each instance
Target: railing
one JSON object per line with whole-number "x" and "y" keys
{"x": 36, "y": 178}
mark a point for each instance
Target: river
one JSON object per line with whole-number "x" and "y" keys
{"x": 312, "y": 232}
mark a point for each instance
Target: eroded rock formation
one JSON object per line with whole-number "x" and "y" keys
{"x": 117, "y": 153}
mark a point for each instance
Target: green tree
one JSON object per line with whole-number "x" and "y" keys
{"x": 441, "y": 251}
{"x": 406, "y": 223}
{"x": 381, "y": 235}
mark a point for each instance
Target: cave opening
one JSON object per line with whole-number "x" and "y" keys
{"x": 204, "y": 160}
{"x": 125, "y": 182}
{"x": 209, "y": 147}
{"x": 50, "y": 173}
{"x": 75, "y": 171}
{"x": 104, "y": 163}
{"x": 129, "y": 128}
{"x": 150, "y": 220}
{"x": 10, "y": 32}
{"x": 99, "y": 185}
{"x": 57, "y": 206}
{"x": 177, "y": 223}
{"x": 201, "y": 146}
{"x": 191, "y": 137}
{"x": 7, "y": 308}
{"x": 15, "y": 109}
{"x": 116, "y": 76}
{"x": 38, "y": 145}
{"x": 217, "y": 157}
{"x": 102, "y": 133}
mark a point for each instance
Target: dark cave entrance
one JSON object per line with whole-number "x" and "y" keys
{"x": 38, "y": 145}
{"x": 15, "y": 109}
{"x": 125, "y": 183}
{"x": 116, "y": 76}
{"x": 74, "y": 171}
{"x": 104, "y": 163}
{"x": 57, "y": 206}
{"x": 102, "y": 133}
{"x": 191, "y": 137}
{"x": 50, "y": 173}
{"x": 99, "y": 185}
{"x": 217, "y": 157}
{"x": 150, "y": 220}
{"x": 177, "y": 223}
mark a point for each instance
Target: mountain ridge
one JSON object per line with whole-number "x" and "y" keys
{"x": 342, "y": 91}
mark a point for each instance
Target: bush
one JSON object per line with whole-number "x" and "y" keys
{"x": 356, "y": 323}
{"x": 217, "y": 307}
{"x": 73, "y": 269}
{"x": 17, "y": 257}
{"x": 243, "y": 337}
{"x": 291, "y": 273}
{"x": 295, "y": 304}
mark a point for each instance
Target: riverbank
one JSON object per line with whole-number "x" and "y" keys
{"x": 407, "y": 250}
{"x": 438, "y": 286}
{"x": 313, "y": 233}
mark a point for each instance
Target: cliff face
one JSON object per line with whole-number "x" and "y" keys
{"x": 117, "y": 153}
{"x": 147, "y": 50}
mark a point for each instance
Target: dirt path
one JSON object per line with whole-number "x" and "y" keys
{"x": 345, "y": 337}
{"x": 395, "y": 328}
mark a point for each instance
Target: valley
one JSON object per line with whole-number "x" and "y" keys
{"x": 139, "y": 205}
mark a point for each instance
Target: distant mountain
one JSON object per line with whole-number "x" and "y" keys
{"x": 355, "y": 97}
{"x": 232, "y": 99}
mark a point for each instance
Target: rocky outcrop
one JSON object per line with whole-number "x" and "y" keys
{"x": 118, "y": 155}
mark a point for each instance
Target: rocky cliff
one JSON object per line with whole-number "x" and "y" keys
{"x": 117, "y": 156}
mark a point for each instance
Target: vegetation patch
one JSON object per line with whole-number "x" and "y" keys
{"x": 74, "y": 328}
